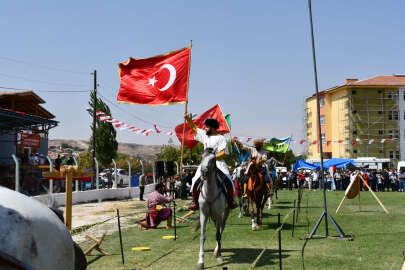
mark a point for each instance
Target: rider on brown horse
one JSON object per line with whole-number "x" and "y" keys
{"x": 258, "y": 156}
{"x": 210, "y": 138}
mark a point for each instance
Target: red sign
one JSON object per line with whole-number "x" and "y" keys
{"x": 29, "y": 140}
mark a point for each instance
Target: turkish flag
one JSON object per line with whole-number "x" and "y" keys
{"x": 215, "y": 112}
{"x": 159, "y": 80}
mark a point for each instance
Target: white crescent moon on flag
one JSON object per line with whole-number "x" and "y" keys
{"x": 172, "y": 77}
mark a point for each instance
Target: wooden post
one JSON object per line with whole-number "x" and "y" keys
{"x": 67, "y": 173}
{"x": 68, "y": 204}
{"x": 375, "y": 196}
{"x": 285, "y": 154}
{"x": 359, "y": 197}
{"x": 341, "y": 203}
{"x": 185, "y": 112}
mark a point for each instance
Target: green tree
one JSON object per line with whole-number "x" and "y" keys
{"x": 85, "y": 160}
{"x": 106, "y": 143}
{"x": 195, "y": 156}
{"x": 168, "y": 153}
{"x": 290, "y": 158}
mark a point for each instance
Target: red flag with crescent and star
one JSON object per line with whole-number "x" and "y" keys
{"x": 214, "y": 112}
{"x": 159, "y": 80}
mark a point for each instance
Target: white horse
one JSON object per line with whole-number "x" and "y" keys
{"x": 34, "y": 235}
{"x": 238, "y": 175}
{"x": 213, "y": 204}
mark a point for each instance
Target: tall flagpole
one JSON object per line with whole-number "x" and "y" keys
{"x": 325, "y": 215}
{"x": 185, "y": 112}
{"x": 285, "y": 154}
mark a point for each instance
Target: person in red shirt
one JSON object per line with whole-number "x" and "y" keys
{"x": 301, "y": 178}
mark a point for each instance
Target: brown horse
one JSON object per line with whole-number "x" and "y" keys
{"x": 257, "y": 193}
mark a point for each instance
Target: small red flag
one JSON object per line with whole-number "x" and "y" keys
{"x": 159, "y": 80}
{"x": 215, "y": 112}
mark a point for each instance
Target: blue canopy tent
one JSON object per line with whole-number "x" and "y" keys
{"x": 300, "y": 164}
{"x": 338, "y": 162}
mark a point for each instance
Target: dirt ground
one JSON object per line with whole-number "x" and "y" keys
{"x": 95, "y": 218}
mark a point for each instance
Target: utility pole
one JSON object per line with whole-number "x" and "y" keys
{"x": 94, "y": 124}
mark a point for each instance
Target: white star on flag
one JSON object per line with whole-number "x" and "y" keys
{"x": 152, "y": 81}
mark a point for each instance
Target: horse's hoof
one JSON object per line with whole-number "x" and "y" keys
{"x": 220, "y": 259}
{"x": 240, "y": 215}
{"x": 200, "y": 266}
{"x": 255, "y": 228}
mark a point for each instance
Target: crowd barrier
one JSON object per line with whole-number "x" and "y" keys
{"x": 98, "y": 195}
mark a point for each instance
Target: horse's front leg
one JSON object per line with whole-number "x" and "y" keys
{"x": 252, "y": 215}
{"x": 217, "y": 251}
{"x": 259, "y": 213}
{"x": 203, "y": 222}
{"x": 270, "y": 201}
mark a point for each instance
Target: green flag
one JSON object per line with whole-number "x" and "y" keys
{"x": 277, "y": 145}
{"x": 228, "y": 120}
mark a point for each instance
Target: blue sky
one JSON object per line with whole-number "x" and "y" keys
{"x": 252, "y": 57}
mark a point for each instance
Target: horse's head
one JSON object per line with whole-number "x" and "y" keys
{"x": 208, "y": 164}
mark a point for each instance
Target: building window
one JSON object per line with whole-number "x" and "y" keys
{"x": 390, "y": 134}
{"x": 354, "y": 112}
{"x": 404, "y": 95}
{"x": 379, "y": 112}
{"x": 389, "y": 94}
{"x": 322, "y": 120}
{"x": 397, "y": 155}
{"x": 391, "y": 154}
{"x": 354, "y": 132}
{"x": 321, "y": 101}
{"x": 379, "y": 91}
{"x": 323, "y": 137}
{"x": 380, "y": 132}
{"x": 389, "y": 115}
{"x": 395, "y": 115}
{"x": 355, "y": 151}
{"x": 381, "y": 152}
{"x": 396, "y": 134}
{"x": 353, "y": 92}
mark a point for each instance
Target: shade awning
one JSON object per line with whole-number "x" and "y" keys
{"x": 14, "y": 120}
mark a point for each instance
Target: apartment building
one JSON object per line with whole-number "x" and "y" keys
{"x": 360, "y": 118}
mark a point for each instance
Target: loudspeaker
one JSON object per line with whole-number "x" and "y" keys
{"x": 170, "y": 168}
{"x": 160, "y": 168}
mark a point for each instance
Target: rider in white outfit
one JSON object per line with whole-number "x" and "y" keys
{"x": 211, "y": 139}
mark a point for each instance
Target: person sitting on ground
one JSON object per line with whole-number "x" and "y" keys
{"x": 157, "y": 213}
{"x": 210, "y": 138}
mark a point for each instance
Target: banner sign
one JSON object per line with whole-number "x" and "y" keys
{"x": 29, "y": 140}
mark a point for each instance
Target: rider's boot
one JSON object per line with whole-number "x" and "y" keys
{"x": 268, "y": 188}
{"x": 231, "y": 202}
{"x": 194, "y": 204}
{"x": 244, "y": 190}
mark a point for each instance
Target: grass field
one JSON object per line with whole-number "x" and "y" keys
{"x": 378, "y": 243}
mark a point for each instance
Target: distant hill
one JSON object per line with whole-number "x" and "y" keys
{"x": 147, "y": 152}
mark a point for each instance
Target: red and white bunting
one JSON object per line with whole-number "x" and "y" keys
{"x": 119, "y": 125}
{"x": 123, "y": 126}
